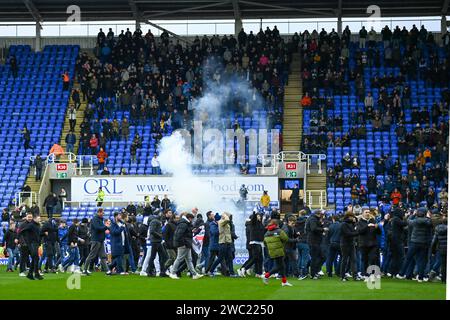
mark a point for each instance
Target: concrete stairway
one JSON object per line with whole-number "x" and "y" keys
{"x": 316, "y": 182}
{"x": 293, "y": 114}
{"x": 80, "y": 118}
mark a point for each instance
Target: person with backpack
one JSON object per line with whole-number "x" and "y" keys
{"x": 275, "y": 239}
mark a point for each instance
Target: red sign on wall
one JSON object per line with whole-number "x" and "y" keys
{"x": 61, "y": 167}
{"x": 291, "y": 166}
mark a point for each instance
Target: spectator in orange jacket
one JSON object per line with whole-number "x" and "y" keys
{"x": 101, "y": 156}
{"x": 306, "y": 100}
{"x": 427, "y": 155}
{"x": 396, "y": 197}
{"x": 57, "y": 150}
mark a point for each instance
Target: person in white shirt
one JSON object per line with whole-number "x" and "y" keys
{"x": 155, "y": 164}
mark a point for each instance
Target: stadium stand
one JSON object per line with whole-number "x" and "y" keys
{"x": 174, "y": 77}
{"x": 387, "y": 105}
{"x": 34, "y": 99}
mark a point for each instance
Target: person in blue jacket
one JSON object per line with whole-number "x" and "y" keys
{"x": 117, "y": 237}
{"x": 213, "y": 241}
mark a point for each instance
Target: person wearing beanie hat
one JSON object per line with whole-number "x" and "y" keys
{"x": 214, "y": 244}
{"x": 419, "y": 244}
{"x": 225, "y": 244}
{"x": 275, "y": 240}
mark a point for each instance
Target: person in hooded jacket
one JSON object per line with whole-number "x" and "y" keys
{"x": 419, "y": 244}
{"x": 275, "y": 239}
{"x": 255, "y": 241}
{"x": 439, "y": 245}
{"x": 348, "y": 246}
{"x": 117, "y": 236}
{"x": 367, "y": 241}
{"x": 156, "y": 238}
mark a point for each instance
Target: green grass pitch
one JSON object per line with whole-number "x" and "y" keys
{"x": 134, "y": 287}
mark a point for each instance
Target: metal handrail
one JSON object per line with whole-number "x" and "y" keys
{"x": 70, "y": 159}
{"x": 19, "y": 195}
{"x": 90, "y": 164}
{"x": 322, "y": 197}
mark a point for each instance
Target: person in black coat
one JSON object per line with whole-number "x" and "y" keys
{"x": 49, "y": 233}
{"x": 314, "y": 232}
{"x": 168, "y": 234}
{"x": 29, "y": 234}
{"x": 334, "y": 241}
{"x": 367, "y": 241}
{"x": 290, "y": 247}
{"x": 348, "y": 248}
{"x": 439, "y": 244}
{"x": 182, "y": 240}
{"x": 419, "y": 244}
{"x": 49, "y": 203}
{"x": 255, "y": 240}
{"x": 83, "y": 247}
{"x": 156, "y": 238}
{"x": 73, "y": 239}
{"x": 38, "y": 164}
{"x": 294, "y": 198}
{"x": 396, "y": 239}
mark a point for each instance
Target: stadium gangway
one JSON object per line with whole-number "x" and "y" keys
{"x": 322, "y": 198}
{"x": 32, "y": 158}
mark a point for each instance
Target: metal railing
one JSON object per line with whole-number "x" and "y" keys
{"x": 92, "y": 204}
{"x": 71, "y": 157}
{"x": 27, "y": 197}
{"x": 84, "y": 164}
{"x": 322, "y": 198}
{"x": 301, "y": 156}
{"x": 269, "y": 164}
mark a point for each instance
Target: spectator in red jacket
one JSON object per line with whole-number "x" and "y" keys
{"x": 396, "y": 197}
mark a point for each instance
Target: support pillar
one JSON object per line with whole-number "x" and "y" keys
{"x": 237, "y": 26}
{"x": 339, "y": 25}
{"x": 443, "y": 24}
{"x": 37, "y": 45}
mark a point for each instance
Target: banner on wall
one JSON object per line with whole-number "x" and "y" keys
{"x": 125, "y": 189}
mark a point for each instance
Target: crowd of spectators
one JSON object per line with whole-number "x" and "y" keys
{"x": 330, "y": 70}
{"x": 155, "y": 81}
